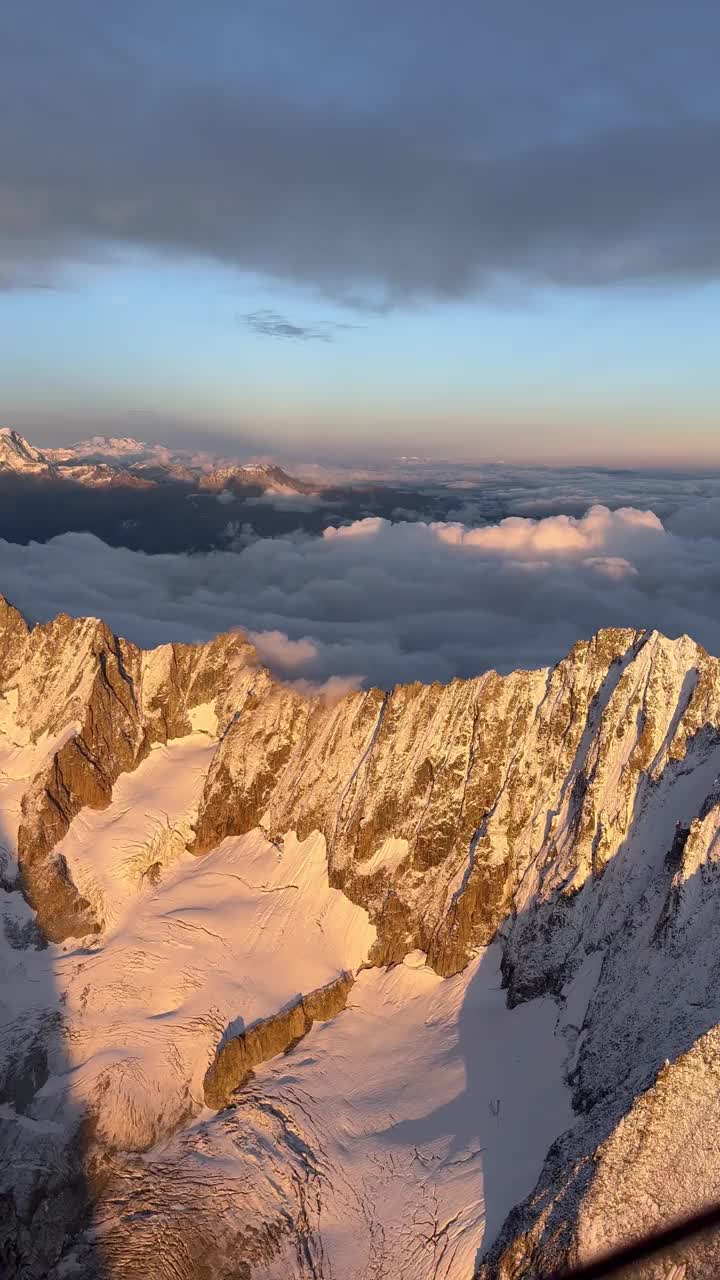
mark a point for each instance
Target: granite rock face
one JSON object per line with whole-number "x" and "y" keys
{"x": 432, "y": 799}
{"x": 428, "y": 796}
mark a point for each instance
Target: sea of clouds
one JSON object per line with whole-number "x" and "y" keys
{"x": 377, "y": 602}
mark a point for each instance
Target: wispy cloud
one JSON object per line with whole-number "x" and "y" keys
{"x": 271, "y": 324}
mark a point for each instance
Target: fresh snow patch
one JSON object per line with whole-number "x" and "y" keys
{"x": 204, "y": 720}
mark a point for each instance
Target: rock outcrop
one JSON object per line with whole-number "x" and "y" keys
{"x": 613, "y": 1181}
{"x": 236, "y": 1056}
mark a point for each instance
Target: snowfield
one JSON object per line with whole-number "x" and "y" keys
{"x": 416, "y": 1104}
{"x": 414, "y": 1101}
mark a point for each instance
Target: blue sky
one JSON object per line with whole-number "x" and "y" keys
{"x": 478, "y": 236}
{"x": 628, "y": 376}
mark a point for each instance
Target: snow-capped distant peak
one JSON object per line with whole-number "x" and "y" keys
{"x": 104, "y": 460}
{"x": 18, "y": 456}
{"x": 12, "y": 442}
{"x": 118, "y": 444}
{"x": 263, "y": 475}
{"x": 103, "y": 449}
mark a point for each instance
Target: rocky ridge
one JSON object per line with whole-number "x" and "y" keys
{"x": 104, "y": 703}
{"x": 234, "y": 1060}
{"x": 574, "y": 813}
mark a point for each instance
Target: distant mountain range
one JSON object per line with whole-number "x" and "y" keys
{"x": 123, "y": 462}
{"x": 152, "y": 498}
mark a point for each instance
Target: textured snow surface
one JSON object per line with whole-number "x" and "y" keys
{"x": 218, "y": 942}
{"x": 412, "y": 1105}
{"x": 416, "y": 1103}
{"x": 398, "y": 1136}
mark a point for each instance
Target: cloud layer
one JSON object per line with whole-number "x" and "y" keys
{"x": 383, "y": 602}
{"x": 375, "y": 152}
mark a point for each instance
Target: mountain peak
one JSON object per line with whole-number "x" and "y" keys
{"x": 19, "y": 456}
{"x": 264, "y": 475}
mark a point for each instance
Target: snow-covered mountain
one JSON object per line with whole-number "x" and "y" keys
{"x": 262, "y": 475}
{"x": 418, "y": 983}
{"x": 17, "y": 457}
{"x": 104, "y": 461}
{"x": 109, "y": 449}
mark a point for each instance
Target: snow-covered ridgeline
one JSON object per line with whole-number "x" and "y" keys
{"x": 122, "y": 460}
{"x": 206, "y": 846}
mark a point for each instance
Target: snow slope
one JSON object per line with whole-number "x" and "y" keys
{"x": 409, "y": 1126}
{"x": 188, "y": 948}
{"x": 425, "y": 1130}
{"x": 414, "y": 1100}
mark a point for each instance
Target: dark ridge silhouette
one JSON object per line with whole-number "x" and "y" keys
{"x": 176, "y": 516}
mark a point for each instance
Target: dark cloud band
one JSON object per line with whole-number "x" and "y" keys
{"x": 388, "y": 178}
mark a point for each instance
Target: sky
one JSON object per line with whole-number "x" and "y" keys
{"x": 336, "y": 230}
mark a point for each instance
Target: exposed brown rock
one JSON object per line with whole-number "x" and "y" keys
{"x": 234, "y": 1060}
{"x": 13, "y": 635}
{"x": 460, "y": 772}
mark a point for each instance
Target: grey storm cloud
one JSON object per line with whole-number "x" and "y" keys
{"x": 374, "y": 152}
{"x": 379, "y": 602}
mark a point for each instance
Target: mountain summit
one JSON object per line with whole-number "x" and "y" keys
{"x": 21, "y": 458}
{"x": 354, "y": 982}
